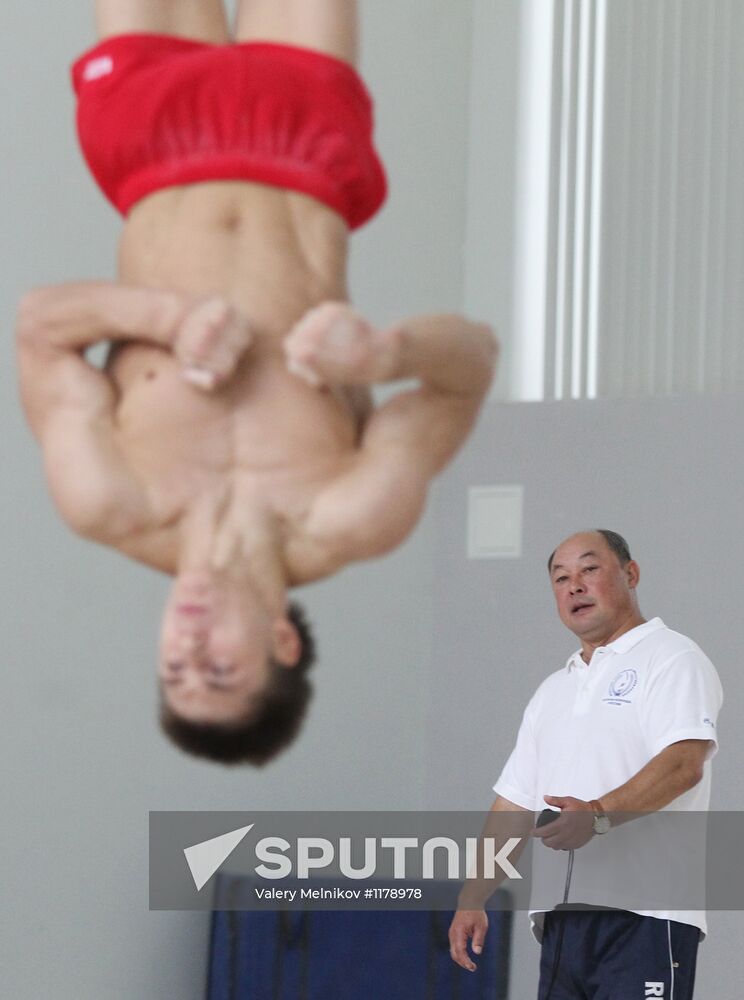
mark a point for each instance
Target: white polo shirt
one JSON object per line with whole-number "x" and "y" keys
{"x": 590, "y": 727}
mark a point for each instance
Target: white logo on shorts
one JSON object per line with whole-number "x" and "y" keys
{"x": 97, "y": 68}
{"x": 654, "y": 989}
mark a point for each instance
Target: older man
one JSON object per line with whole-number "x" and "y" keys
{"x": 627, "y": 726}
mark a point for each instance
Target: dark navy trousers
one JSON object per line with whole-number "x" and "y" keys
{"x": 616, "y": 955}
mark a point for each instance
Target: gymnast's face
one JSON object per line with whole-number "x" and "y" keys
{"x": 216, "y": 642}
{"x": 594, "y": 593}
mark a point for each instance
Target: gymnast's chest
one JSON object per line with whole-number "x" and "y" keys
{"x": 264, "y": 422}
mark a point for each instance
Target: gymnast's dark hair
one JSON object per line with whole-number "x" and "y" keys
{"x": 274, "y": 719}
{"x": 616, "y": 543}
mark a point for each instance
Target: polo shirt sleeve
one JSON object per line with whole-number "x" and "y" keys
{"x": 518, "y": 780}
{"x": 682, "y": 702}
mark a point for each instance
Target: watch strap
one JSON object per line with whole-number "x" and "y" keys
{"x": 601, "y": 823}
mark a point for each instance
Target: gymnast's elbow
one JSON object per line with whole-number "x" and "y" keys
{"x": 491, "y": 345}
{"x": 33, "y": 307}
{"x": 487, "y": 358}
{"x": 90, "y": 509}
{"x": 83, "y": 512}
{"x": 96, "y": 522}
{"x": 34, "y": 317}
{"x": 27, "y": 318}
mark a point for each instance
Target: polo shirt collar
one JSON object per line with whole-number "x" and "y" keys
{"x": 623, "y": 644}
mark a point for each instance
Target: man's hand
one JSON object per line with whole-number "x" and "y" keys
{"x": 573, "y": 828}
{"x": 210, "y": 339}
{"x": 467, "y": 925}
{"x": 333, "y": 345}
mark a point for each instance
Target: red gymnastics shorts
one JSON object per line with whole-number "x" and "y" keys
{"x": 156, "y": 111}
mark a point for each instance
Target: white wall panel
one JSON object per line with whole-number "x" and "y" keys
{"x": 642, "y": 254}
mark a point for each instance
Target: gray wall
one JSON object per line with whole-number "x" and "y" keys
{"x": 84, "y": 761}
{"x": 494, "y": 136}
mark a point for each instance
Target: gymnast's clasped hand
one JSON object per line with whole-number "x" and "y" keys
{"x": 209, "y": 342}
{"x": 333, "y": 344}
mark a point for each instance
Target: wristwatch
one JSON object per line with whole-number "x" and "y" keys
{"x": 601, "y": 822}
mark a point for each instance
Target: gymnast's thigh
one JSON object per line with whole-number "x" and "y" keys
{"x": 328, "y": 26}
{"x": 203, "y": 20}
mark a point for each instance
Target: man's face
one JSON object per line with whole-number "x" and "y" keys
{"x": 215, "y": 645}
{"x": 594, "y": 594}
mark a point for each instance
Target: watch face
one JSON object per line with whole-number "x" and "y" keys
{"x": 601, "y": 824}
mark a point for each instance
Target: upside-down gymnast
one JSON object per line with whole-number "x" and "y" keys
{"x": 230, "y": 439}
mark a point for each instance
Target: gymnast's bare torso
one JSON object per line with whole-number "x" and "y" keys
{"x": 264, "y": 440}
{"x": 230, "y": 439}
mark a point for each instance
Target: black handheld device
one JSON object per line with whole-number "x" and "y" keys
{"x": 547, "y": 816}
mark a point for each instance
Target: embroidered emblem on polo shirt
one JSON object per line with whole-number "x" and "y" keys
{"x": 621, "y": 686}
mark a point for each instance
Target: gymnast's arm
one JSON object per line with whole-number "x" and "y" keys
{"x": 70, "y": 404}
{"x": 374, "y": 505}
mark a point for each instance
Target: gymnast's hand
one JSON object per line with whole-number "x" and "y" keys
{"x": 210, "y": 339}
{"x": 332, "y": 344}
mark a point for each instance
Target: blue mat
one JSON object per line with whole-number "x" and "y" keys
{"x": 350, "y": 955}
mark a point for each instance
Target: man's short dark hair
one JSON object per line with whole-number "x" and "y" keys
{"x": 274, "y": 719}
{"x": 615, "y": 542}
